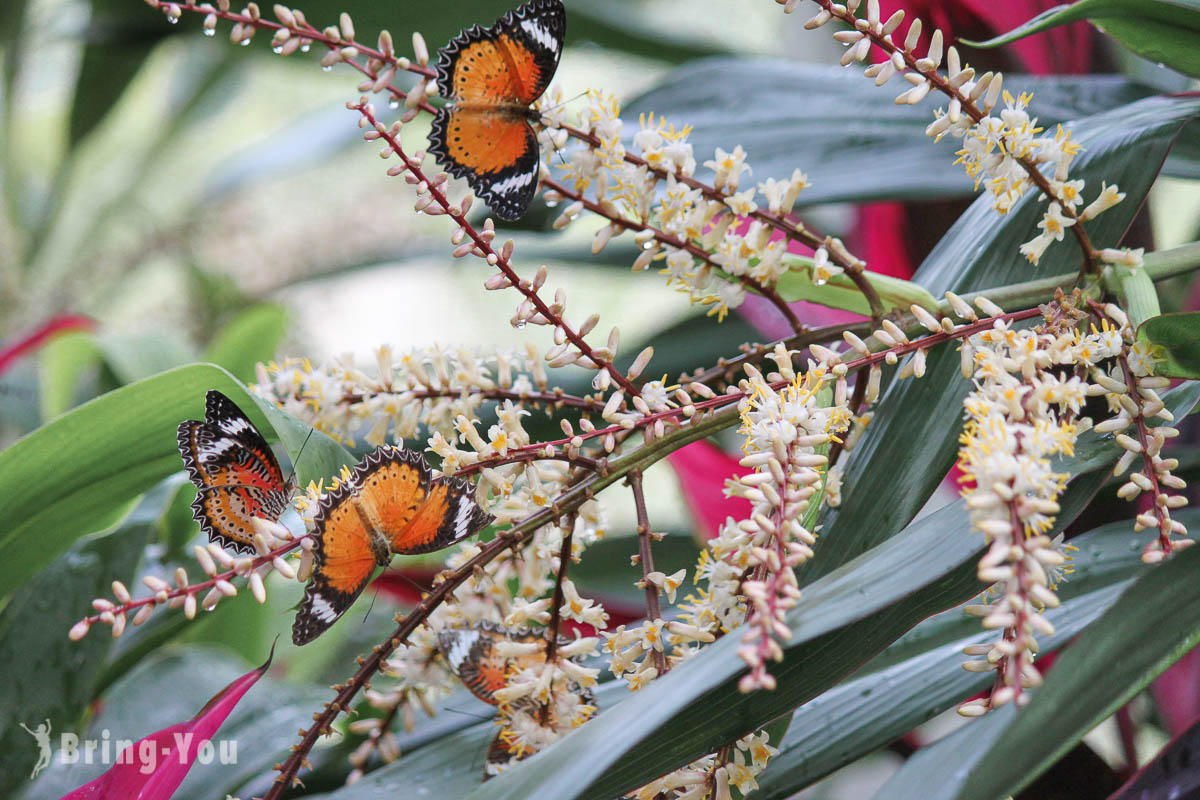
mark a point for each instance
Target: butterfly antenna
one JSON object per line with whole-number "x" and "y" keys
{"x": 466, "y": 713}
{"x": 292, "y": 478}
{"x": 420, "y": 589}
{"x": 370, "y": 608}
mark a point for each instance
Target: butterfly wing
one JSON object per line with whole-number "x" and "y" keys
{"x": 342, "y": 565}
{"x": 494, "y": 150}
{"x": 448, "y": 515}
{"x": 235, "y": 472}
{"x": 471, "y": 654}
{"x": 513, "y": 61}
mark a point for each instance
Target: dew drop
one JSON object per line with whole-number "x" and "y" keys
{"x": 172, "y": 20}
{"x": 520, "y": 324}
{"x": 327, "y": 68}
{"x": 647, "y": 245}
{"x": 551, "y": 203}
{"x": 277, "y": 50}
{"x": 304, "y": 48}
{"x": 820, "y": 282}
{"x": 244, "y": 42}
{"x": 210, "y": 31}
{"x": 393, "y": 103}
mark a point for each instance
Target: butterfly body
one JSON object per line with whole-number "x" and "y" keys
{"x": 236, "y": 475}
{"x": 492, "y": 76}
{"x": 390, "y": 505}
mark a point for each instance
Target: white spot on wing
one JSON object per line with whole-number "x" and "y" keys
{"x": 460, "y": 647}
{"x": 322, "y": 610}
{"x": 234, "y": 426}
{"x": 463, "y": 518}
{"x": 214, "y": 451}
{"x": 513, "y": 184}
{"x": 539, "y": 34}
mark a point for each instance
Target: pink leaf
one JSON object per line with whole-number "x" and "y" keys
{"x": 1178, "y": 693}
{"x": 63, "y": 323}
{"x": 152, "y": 768}
{"x": 702, "y": 470}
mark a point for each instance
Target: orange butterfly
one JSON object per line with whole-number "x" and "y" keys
{"x": 492, "y": 76}
{"x": 391, "y": 504}
{"x": 235, "y": 472}
{"x": 473, "y": 656}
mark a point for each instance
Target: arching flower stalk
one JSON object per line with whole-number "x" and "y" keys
{"x": 1031, "y": 386}
{"x": 421, "y": 388}
{"x": 1004, "y": 150}
{"x": 1132, "y": 388}
{"x": 276, "y": 547}
{"x": 665, "y": 158}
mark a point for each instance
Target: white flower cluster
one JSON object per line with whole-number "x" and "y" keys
{"x": 1004, "y": 150}
{"x": 1030, "y": 388}
{"x": 712, "y": 777}
{"x": 692, "y": 229}
{"x": 431, "y": 388}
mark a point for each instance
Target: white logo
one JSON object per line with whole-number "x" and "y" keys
{"x": 147, "y": 754}
{"x": 42, "y": 734}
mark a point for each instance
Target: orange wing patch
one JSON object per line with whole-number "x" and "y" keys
{"x": 502, "y": 70}
{"x": 391, "y": 504}
{"x": 393, "y": 492}
{"x": 487, "y": 141}
{"x": 347, "y": 558}
{"x": 423, "y": 531}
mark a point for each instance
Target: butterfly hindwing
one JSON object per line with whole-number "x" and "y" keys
{"x": 342, "y": 565}
{"x": 235, "y": 473}
{"x": 495, "y": 151}
{"x": 449, "y": 514}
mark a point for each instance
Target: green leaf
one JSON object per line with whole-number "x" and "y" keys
{"x": 118, "y": 42}
{"x": 1179, "y": 337}
{"x": 100, "y": 456}
{"x": 1163, "y": 31}
{"x": 50, "y": 676}
{"x": 1135, "y": 292}
{"x": 61, "y": 363}
{"x": 840, "y": 292}
{"x": 839, "y": 129}
{"x": 1118, "y": 656}
{"x": 911, "y": 443}
{"x": 251, "y": 337}
{"x": 135, "y": 356}
{"x": 921, "y": 675}
{"x": 838, "y": 624}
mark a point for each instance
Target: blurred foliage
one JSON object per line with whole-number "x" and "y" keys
{"x": 93, "y": 492}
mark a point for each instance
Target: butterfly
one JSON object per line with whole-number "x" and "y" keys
{"x": 492, "y": 76}
{"x": 390, "y": 505}
{"x": 472, "y": 654}
{"x": 235, "y": 472}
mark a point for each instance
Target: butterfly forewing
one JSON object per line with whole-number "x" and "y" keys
{"x": 342, "y": 565}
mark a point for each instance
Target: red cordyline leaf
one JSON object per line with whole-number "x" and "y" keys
{"x": 152, "y": 768}
{"x": 702, "y": 470}
{"x": 62, "y": 323}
